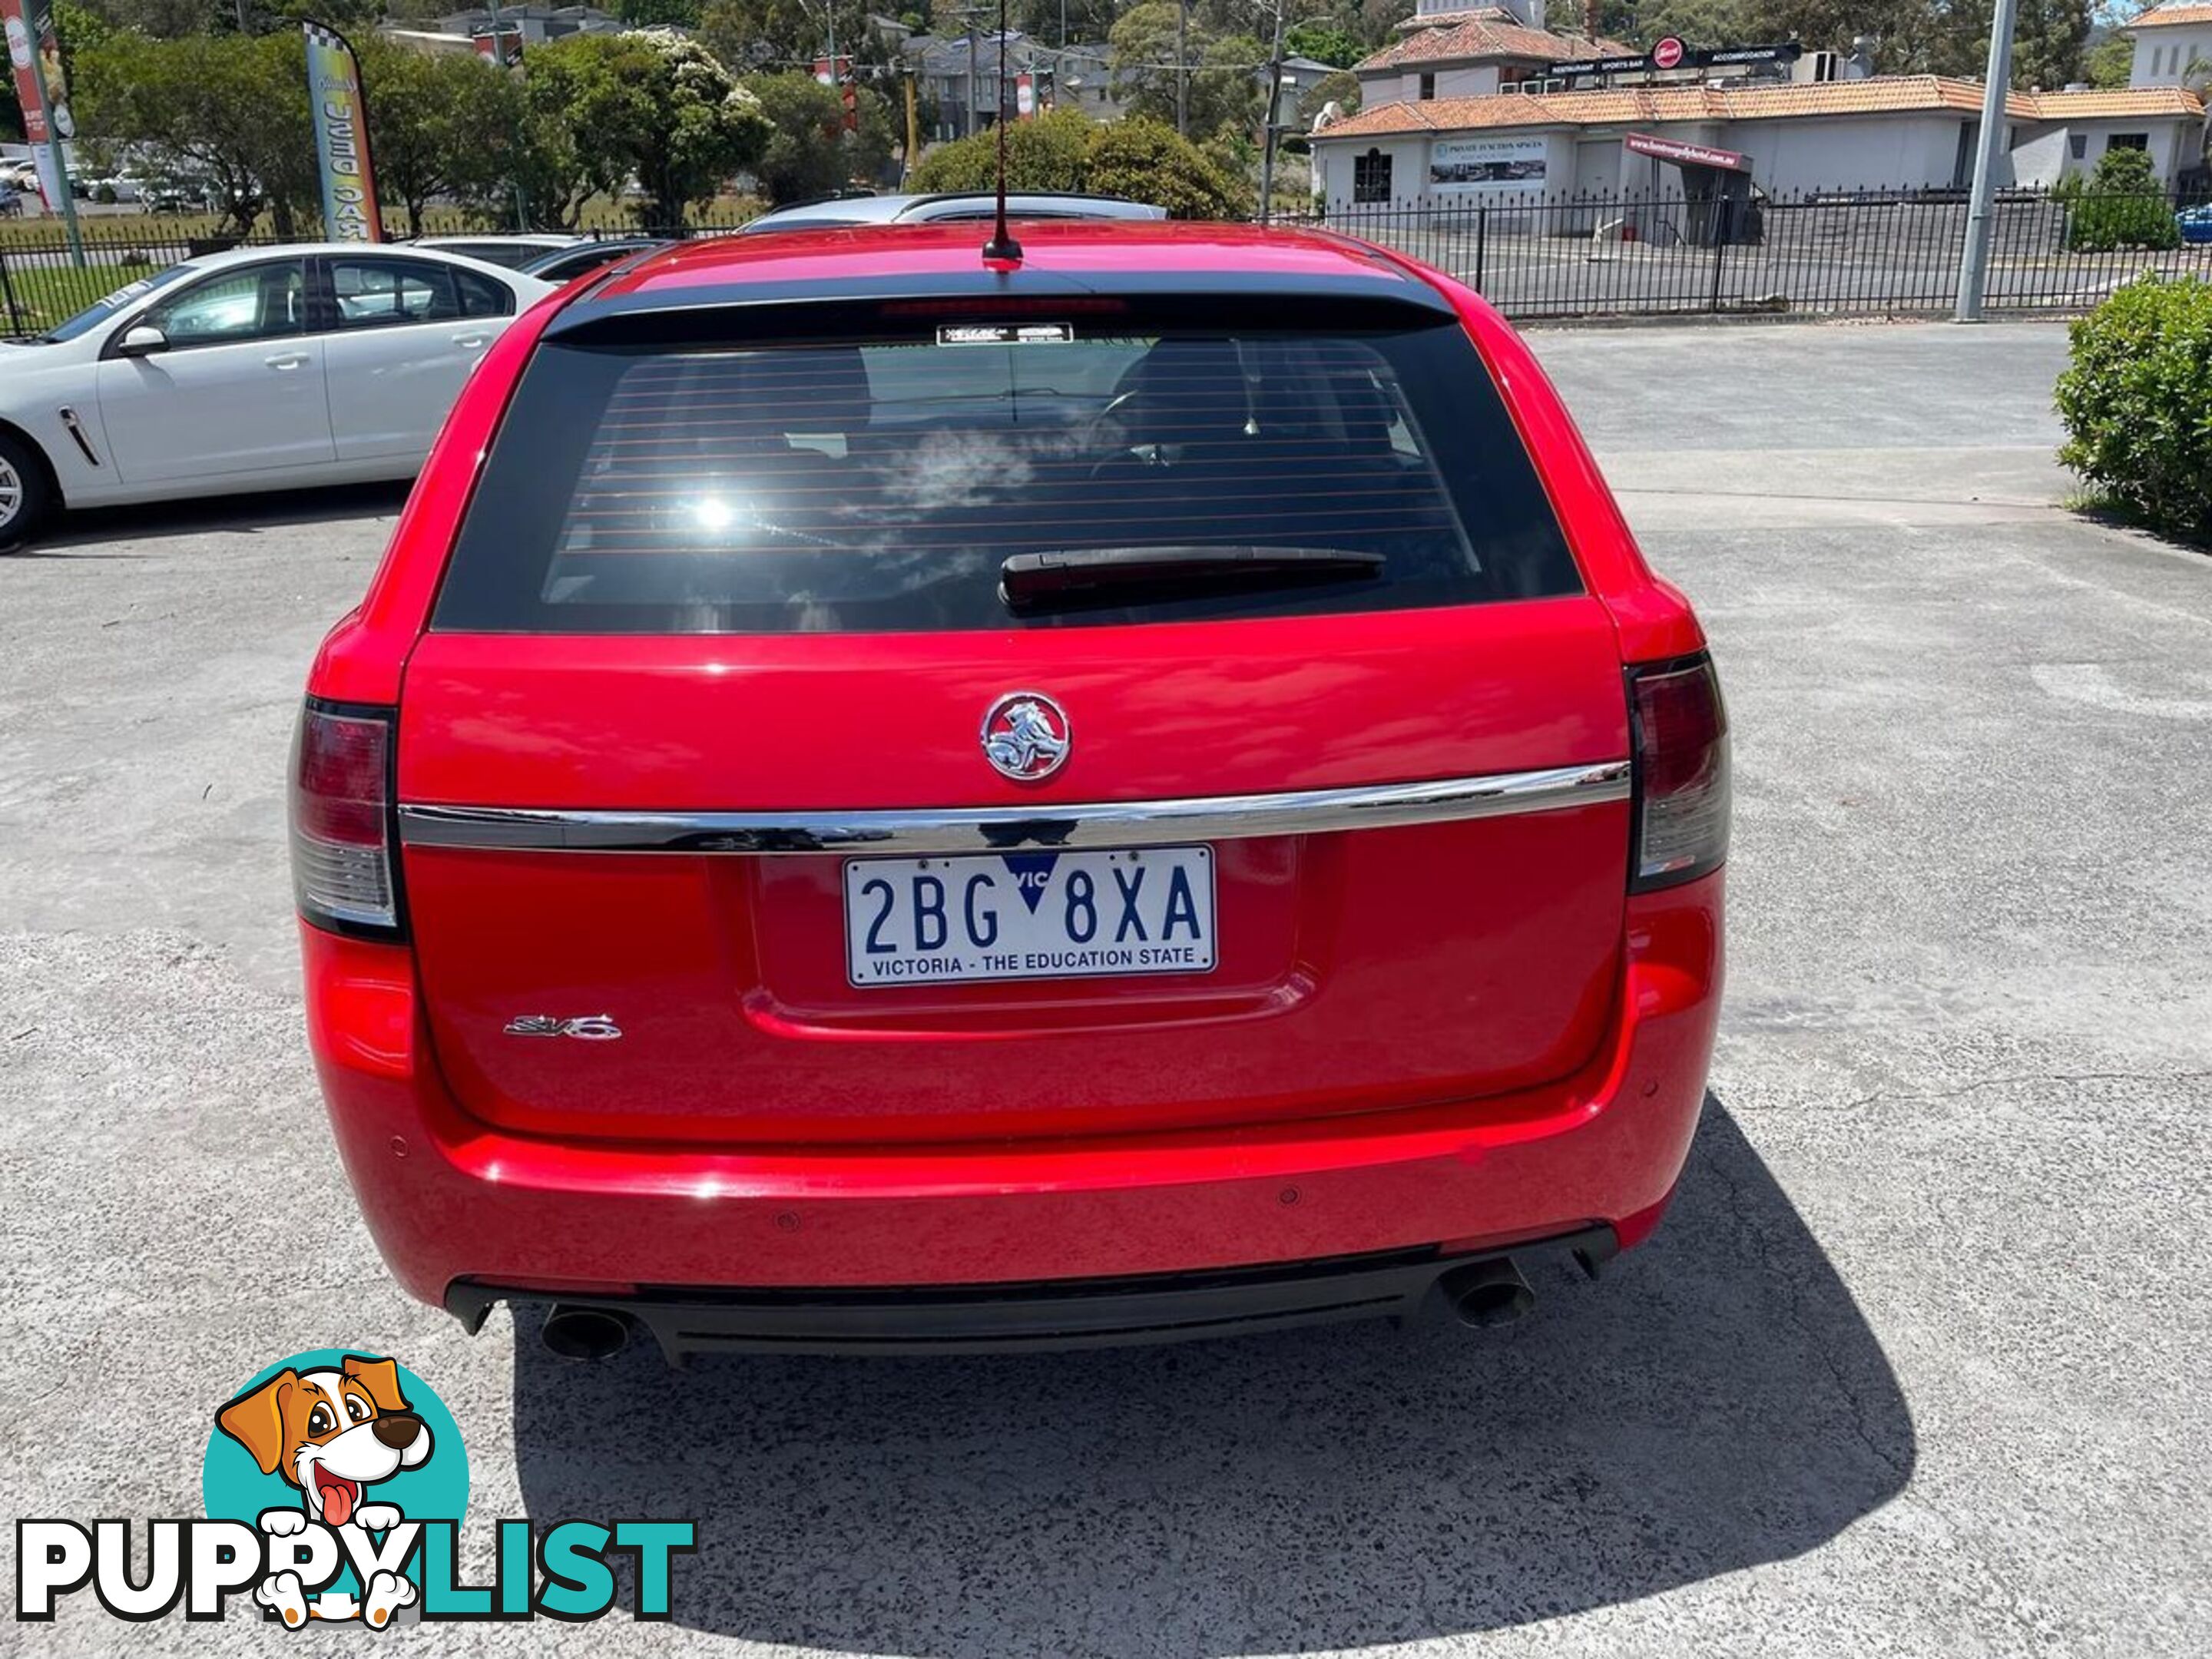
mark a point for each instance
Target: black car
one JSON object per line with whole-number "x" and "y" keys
{"x": 566, "y": 264}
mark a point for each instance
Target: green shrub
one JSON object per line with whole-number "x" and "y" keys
{"x": 1067, "y": 150}
{"x": 2136, "y": 401}
{"x": 2122, "y": 207}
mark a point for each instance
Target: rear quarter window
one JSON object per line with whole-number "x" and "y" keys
{"x": 878, "y": 479}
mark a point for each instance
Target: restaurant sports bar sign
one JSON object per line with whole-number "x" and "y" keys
{"x": 1672, "y": 54}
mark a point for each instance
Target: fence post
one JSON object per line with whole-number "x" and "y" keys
{"x": 1721, "y": 226}
{"x": 8, "y": 293}
{"x": 1481, "y": 241}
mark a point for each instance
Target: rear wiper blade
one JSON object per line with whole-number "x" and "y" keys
{"x": 1073, "y": 575}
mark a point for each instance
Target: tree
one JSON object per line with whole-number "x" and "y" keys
{"x": 2110, "y": 63}
{"x": 2123, "y": 207}
{"x": 1050, "y": 153}
{"x": 440, "y": 124}
{"x": 601, "y": 110}
{"x": 1145, "y": 161}
{"x": 230, "y": 110}
{"x": 1225, "y": 92}
{"x": 1142, "y": 160}
{"x": 810, "y": 153}
{"x": 1919, "y": 37}
{"x": 1087, "y": 20}
{"x": 658, "y": 14}
{"x": 1324, "y": 44}
{"x": 780, "y": 35}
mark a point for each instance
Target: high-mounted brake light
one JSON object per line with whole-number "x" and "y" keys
{"x": 341, "y": 803}
{"x": 1681, "y": 733}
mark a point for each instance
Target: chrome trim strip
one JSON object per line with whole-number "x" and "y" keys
{"x": 997, "y": 829}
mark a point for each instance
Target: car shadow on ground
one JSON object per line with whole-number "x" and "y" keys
{"x": 1716, "y": 1402}
{"x": 76, "y": 532}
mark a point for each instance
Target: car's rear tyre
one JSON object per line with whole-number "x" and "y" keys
{"x": 24, "y": 495}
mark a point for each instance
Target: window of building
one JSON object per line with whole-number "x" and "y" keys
{"x": 2077, "y": 146}
{"x": 1370, "y": 177}
{"x": 2128, "y": 141}
{"x": 1428, "y": 86}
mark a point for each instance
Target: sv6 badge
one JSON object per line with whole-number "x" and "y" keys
{"x": 590, "y": 1028}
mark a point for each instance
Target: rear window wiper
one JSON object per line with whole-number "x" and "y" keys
{"x": 1084, "y": 574}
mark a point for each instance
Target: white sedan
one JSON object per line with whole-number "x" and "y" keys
{"x": 260, "y": 368}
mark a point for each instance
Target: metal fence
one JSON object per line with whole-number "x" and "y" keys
{"x": 1581, "y": 256}
{"x": 1877, "y": 254}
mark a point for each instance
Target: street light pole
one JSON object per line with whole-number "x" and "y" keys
{"x": 1981, "y": 215}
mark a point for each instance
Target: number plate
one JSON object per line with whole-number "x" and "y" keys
{"x": 1029, "y": 915}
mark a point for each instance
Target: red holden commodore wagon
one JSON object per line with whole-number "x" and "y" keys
{"x": 884, "y": 802}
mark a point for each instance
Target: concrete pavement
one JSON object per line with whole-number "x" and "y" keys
{"x": 1914, "y": 1365}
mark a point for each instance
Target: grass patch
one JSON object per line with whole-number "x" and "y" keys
{"x": 44, "y": 296}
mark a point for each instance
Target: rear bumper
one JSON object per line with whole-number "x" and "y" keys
{"x": 463, "y": 1211}
{"x": 1083, "y": 1313}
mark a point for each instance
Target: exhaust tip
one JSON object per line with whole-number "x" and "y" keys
{"x": 584, "y": 1333}
{"x": 1488, "y": 1294}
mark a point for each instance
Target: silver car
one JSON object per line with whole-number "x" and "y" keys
{"x": 939, "y": 208}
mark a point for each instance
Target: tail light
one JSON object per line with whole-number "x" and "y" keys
{"x": 1680, "y": 735}
{"x": 342, "y": 864}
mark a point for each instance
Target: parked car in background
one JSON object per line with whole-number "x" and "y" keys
{"x": 2195, "y": 223}
{"x": 259, "y": 369}
{"x": 566, "y": 263}
{"x": 845, "y": 210}
{"x": 883, "y": 803}
{"x": 513, "y": 251}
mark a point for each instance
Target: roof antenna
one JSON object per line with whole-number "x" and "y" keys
{"x": 1002, "y": 252}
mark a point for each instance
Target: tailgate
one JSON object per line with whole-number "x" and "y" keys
{"x": 1353, "y": 968}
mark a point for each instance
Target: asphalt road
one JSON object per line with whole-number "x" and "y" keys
{"x": 1915, "y": 1366}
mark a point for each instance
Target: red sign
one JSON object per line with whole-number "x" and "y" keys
{"x": 1666, "y": 54}
{"x": 42, "y": 89}
{"x": 1685, "y": 153}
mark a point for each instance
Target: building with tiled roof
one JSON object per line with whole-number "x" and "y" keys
{"x": 1468, "y": 52}
{"x": 2174, "y": 46}
{"x": 1914, "y": 133}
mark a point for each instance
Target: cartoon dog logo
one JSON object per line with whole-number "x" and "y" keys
{"x": 333, "y": 1434}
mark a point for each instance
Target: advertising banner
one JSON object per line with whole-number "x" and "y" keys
{"x": 42, "y": 88}
{"x": 1685, "y": 154}
{"x": 1464, "y": 165}
{"x": 341, "y": 120}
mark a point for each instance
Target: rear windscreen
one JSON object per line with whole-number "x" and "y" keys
{"x": 881, "y": 483}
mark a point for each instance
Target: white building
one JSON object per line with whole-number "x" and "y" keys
{"x": 1914, "y": 133}
{"x": 536, "y": 24}
{"x": 1458, "y": 50}
{"x": 2169, "y": 39}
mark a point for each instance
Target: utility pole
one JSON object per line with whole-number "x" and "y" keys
{"x": 1274, "y": 98}
{"x": 1981, "y": 214}
{"x": 1182, "y": 67}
